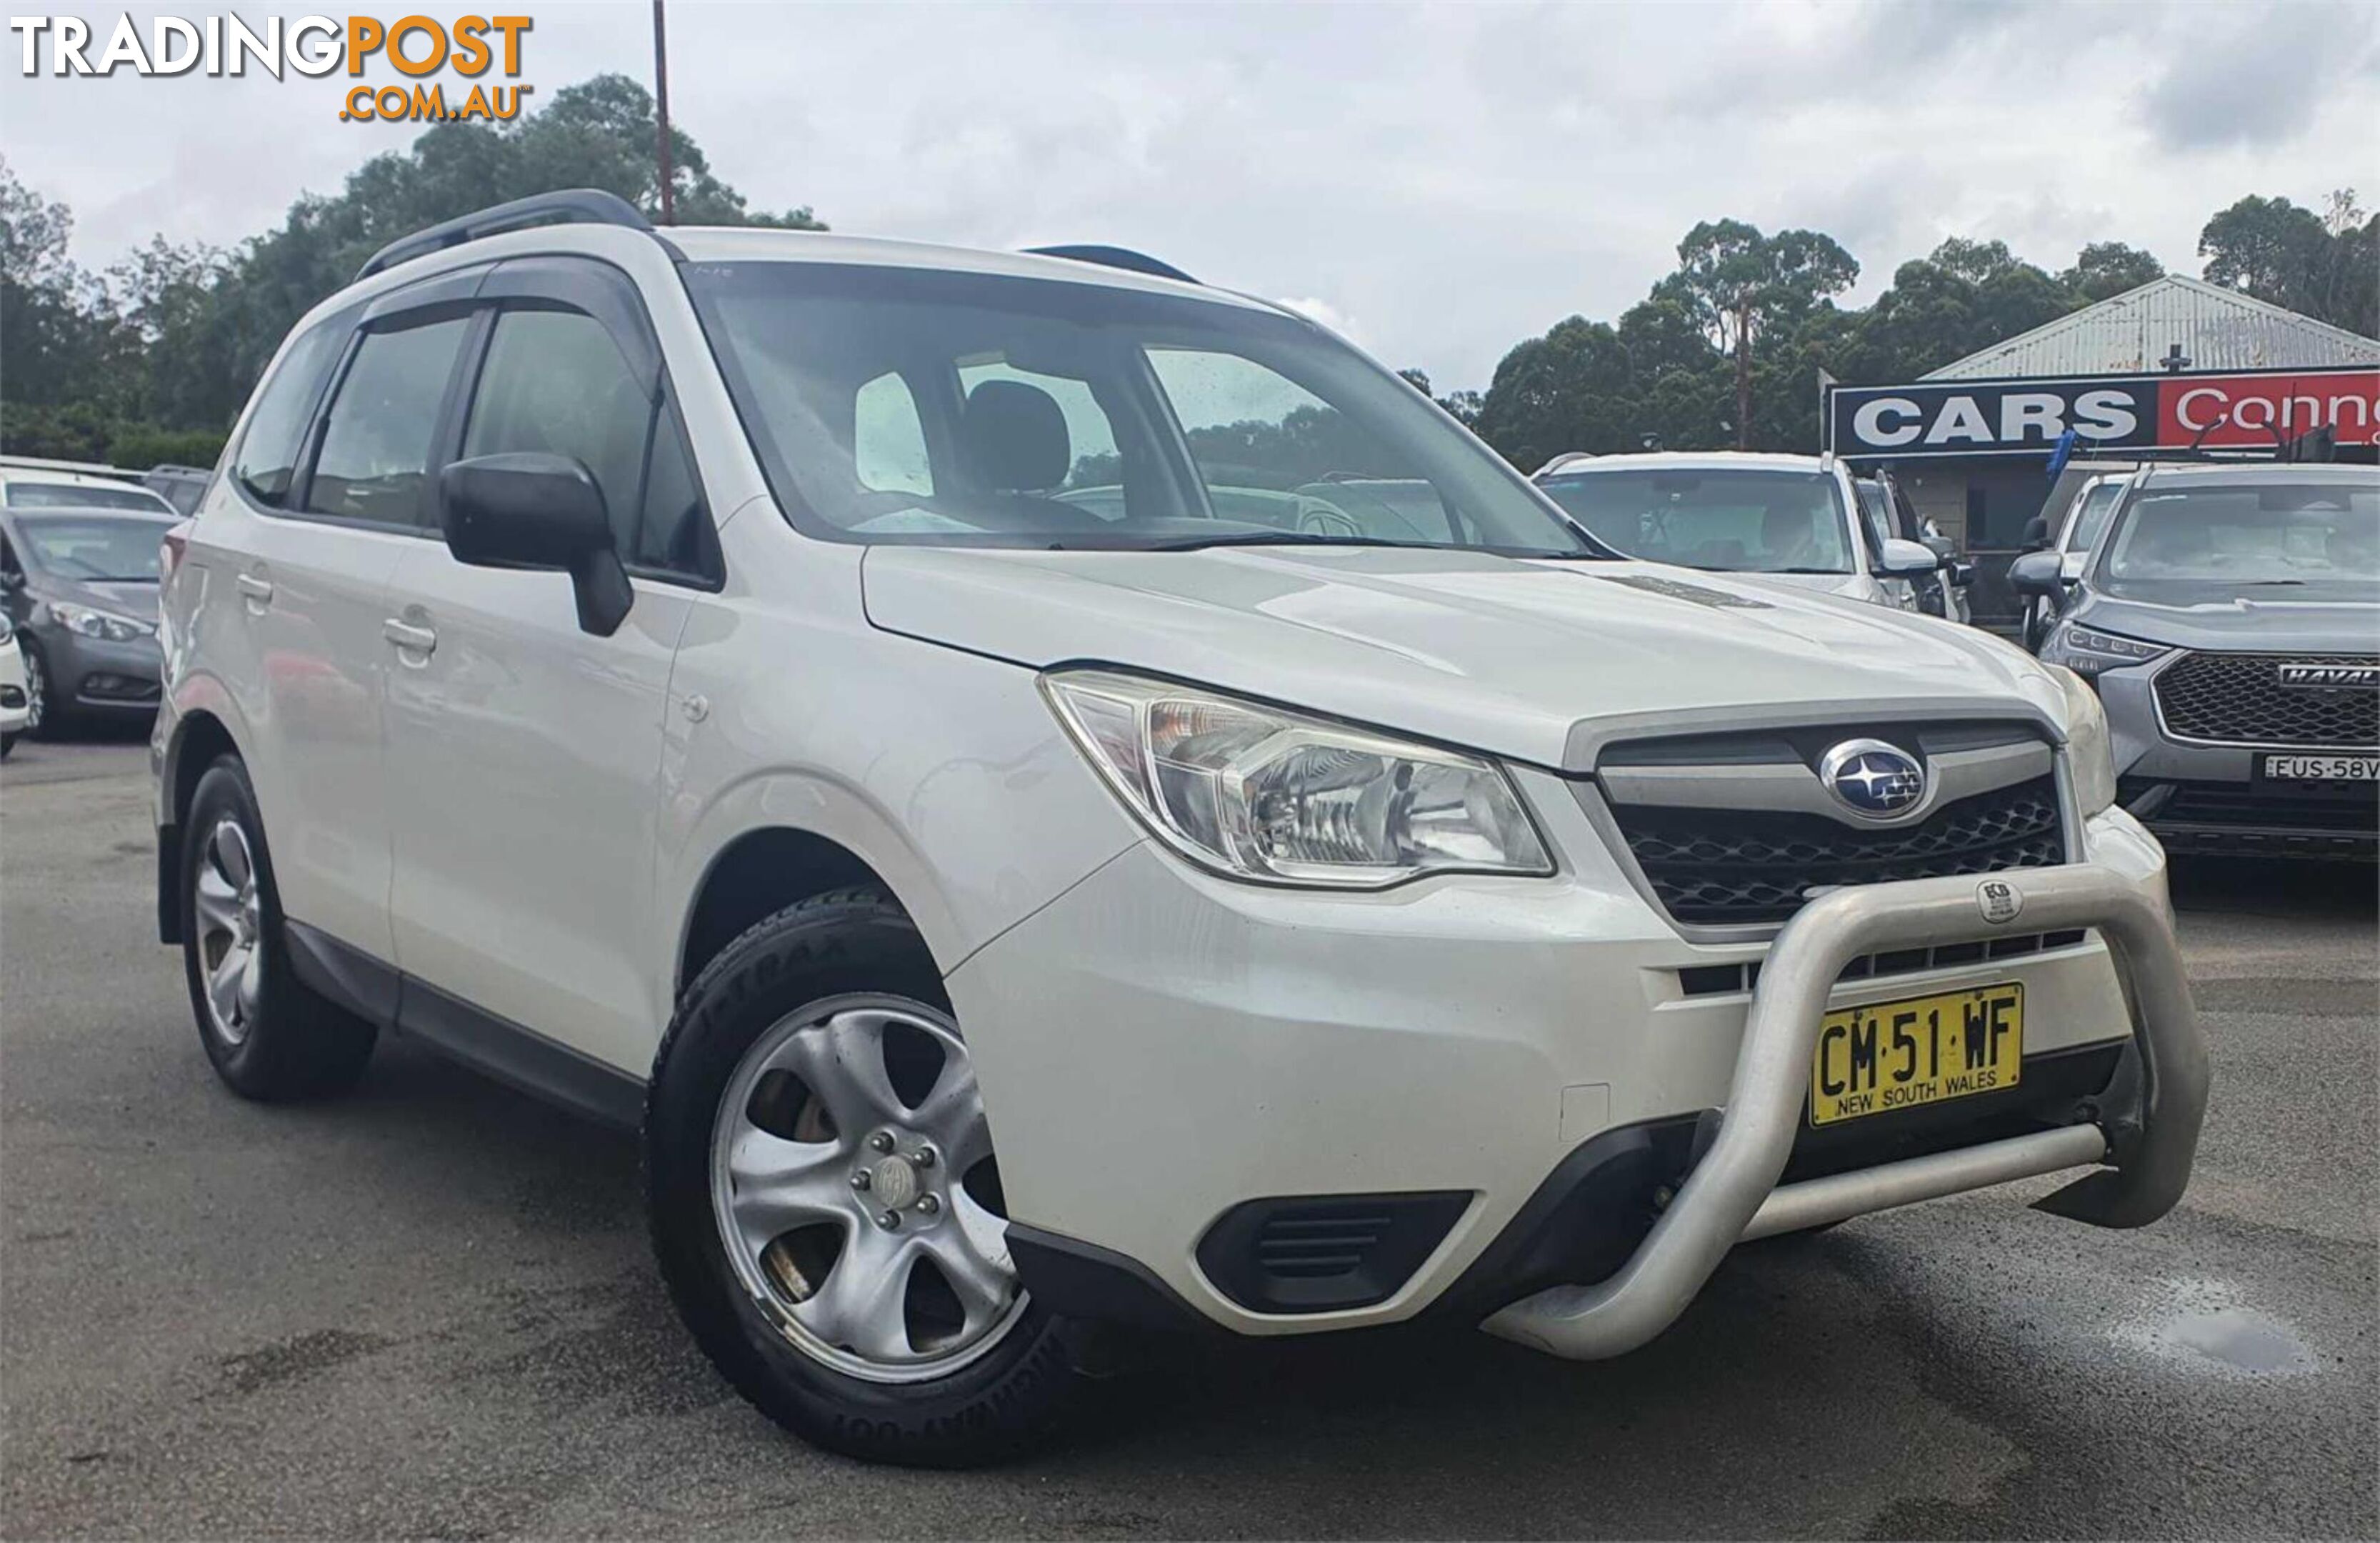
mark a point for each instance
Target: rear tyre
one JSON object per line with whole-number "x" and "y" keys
{"x": 824, "y": 1203}
{"x": 269, "y": 1036}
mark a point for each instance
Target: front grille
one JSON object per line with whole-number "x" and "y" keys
{"x": 1706, "y": 981}
{"x": 2238, "y": 698}
{"x": 1748, "y": 867}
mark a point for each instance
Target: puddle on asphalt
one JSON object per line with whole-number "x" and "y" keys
{"x": 2201, "y": 1323}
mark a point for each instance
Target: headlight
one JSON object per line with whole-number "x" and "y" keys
{"x": 2086, "y": 651}
{"x": 8, "y": 627}
{"x": 105, "y": 625}
{"x": 2088, "y": 757}
{"x": 1255, "y": 792}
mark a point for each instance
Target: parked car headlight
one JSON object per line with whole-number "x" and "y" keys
{"x": 2090, "y": 759}
{"x": 104, "y": 625}
{"x": 2086, "y": 651}
{"x": 8, "y": 627}
{"x": 1260, "y": 793}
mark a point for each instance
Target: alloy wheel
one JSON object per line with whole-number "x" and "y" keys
{"x": 230, "y": 930}
{"x": 37, "y": 692}
{"x": 854, "y": 1190}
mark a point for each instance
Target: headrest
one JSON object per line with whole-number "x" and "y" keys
{"x": 1014, "y": 437}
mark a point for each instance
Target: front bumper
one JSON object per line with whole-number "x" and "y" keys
{"x": 2208, "y": 800}
{"x": 1167, "y": 1056}
{"x": 2146, "y": 1132}
{"x": 94, "y": 675}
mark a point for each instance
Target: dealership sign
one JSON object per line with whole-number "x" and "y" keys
{"x": 2250, "y": 409}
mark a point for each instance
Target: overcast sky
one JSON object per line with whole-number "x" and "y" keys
{"x": 1439, "y": 181}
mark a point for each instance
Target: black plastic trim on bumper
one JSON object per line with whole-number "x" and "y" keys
{"x": 1081, "y": 1279}
{"x": 2265, "y": 840}
{"x": 1322, "y": 1253}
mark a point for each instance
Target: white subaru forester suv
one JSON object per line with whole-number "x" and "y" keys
{"x": 1051, "y": 794}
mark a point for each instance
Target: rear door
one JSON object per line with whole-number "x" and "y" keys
{"x": 523, "y": 753}
{"x": 297, "y": 545}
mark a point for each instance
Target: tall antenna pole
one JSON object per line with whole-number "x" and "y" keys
{"x": 660, "y": 102}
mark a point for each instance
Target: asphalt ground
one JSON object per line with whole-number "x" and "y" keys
{"x": 427, "y": 1309}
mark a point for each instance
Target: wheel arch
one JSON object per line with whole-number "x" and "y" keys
{"x": 199, "y": 735}
{"x": 757, "y": 874}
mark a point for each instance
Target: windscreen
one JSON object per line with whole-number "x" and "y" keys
{"x": 1746, "y": 521}
{"x": 94, "y": 547}
{"x": 2092, "y": 519}
{"x": 2291, "y": 539}
{"x": 920, "y": 407}
{"x": 84, "y": 495}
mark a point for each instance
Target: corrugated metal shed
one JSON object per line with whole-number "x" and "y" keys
{"x": 2128, "y": 333}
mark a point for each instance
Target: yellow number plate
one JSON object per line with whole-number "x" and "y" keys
{"x": 1891, "y": 1055}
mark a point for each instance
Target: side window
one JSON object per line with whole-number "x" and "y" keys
{"x": 374, "y": 464}
{"x": 276, "y": 430}
{"x": 887, "y": 438}
{"x": 555, "y": 382}
{"x": 674, "y": 534}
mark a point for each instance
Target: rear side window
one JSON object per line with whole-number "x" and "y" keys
{"x": 374, "y": 463}
{"x": 276, "y": 430}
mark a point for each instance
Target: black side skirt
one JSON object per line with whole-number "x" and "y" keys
{"x": 494, "y": 1047}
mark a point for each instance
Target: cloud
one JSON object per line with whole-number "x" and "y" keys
{"x": 1327, "y": 315}
{"x": 1447, "y": 178}
{"x": 2259, "y": 80}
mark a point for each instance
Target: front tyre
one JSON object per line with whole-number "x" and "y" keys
{"x": 270, "y": 1037}
{"x": 824, "y": 1201}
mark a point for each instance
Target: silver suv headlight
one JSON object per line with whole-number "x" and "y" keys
{"x": 1257, "y": 792}
{"x": 2090, "y": 759}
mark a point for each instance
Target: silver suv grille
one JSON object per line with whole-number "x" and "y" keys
{"x": 1714, "y": 859}
{"x": 2262, "y": 698}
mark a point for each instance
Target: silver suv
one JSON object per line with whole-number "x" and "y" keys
{"x": 1051, "y": 794}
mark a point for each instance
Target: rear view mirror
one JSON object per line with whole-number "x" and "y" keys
{"x": 2038, "y": 573}
{"x": 1902, "y": 559}
{"x": 528, "y": 509}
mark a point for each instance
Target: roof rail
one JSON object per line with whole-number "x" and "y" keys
{"x": 589, "y": 206}
{"x": 1114, "y": 257}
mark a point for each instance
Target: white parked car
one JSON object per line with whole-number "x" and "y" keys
{"x": 2072, "y": 533}
{"x": 1787, "y": 521}
{"x": 990, "y": 763}
{"x": 15, "y": 705}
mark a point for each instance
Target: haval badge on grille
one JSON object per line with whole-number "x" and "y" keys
{"x": 2330, "y": 674}
{"x": 1873, "y": 780}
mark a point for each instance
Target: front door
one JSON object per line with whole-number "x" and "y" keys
{"x": 523, "y": 752}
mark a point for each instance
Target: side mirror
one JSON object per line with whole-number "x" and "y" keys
{"x": 1962, "y": 572}
{"x": 2038, "y": 573}
{"x": 2036, "y": 533}
{"x": 528, "y": 509}
{"x": 1902, "y": 559}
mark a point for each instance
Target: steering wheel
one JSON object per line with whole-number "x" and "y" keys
{"x": 1317, "y": 516}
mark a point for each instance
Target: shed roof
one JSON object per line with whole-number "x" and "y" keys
{"x": 2128, "y": 333}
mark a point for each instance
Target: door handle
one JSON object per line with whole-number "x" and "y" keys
{"x": 411, "y": 638}
{"x": 257, "y": 591}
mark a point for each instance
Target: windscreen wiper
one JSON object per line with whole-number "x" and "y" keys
{"x": 1281, "y": 537}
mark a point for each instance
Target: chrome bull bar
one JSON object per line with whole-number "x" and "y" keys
{"x": 2146, "y": 1125}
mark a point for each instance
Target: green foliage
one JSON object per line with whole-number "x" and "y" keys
{"x": 1667, "y": 375}
{"x": 2325, "y": 266}
{"x": 157, "y": 355}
